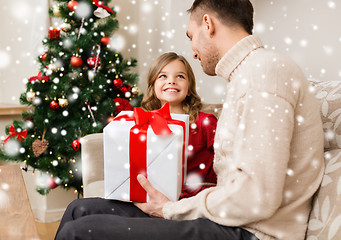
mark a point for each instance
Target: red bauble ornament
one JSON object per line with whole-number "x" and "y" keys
{"x": 54, "y": 105}
{"x": 72, "y": 5}
{"x": 54, "y": 33}
{"x": 75, "y": 145}
{"x": 125, "y": 88}
{"x": 122, "y": 104}
{"x": 76, "y": 61}
{"x": 118, "y": 82}
{"x": 51, "y": 183}
{"x": 43, "y": 56}
{"x": 93, "y": 62}
{"x": 105, "y": 40}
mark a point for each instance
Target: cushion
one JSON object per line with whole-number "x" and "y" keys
{"x": 214, "y": 109}
{"x": 329, "y": 96}
{"x": 325, "y": 217}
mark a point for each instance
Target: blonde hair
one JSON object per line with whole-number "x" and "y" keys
{"x": 192, "y": 103}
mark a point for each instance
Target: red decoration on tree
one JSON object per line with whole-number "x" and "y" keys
{"x": 76, "y": 61}
{"x": 75, "y": 145}
{"x": 39, "y": 77}
{"x": 93, "y": 62}
{"x": 54, "y": 33}
{"x": 13, "y": 133}
{"x": 43, "y": 56}
{"x": 100, "y": 4}
{"x": 51, "y": 183}
{"x": 72, "y": 5}
{"x": 105, "y": 40}
{"x": 125, "y": 88}
{"x": 54, "y": 105}
{"x": 118, "y": 82}
{"x": 122, "y": 105}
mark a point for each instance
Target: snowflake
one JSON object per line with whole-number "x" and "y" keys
{"x": 331, "y": 4}
{"x": 84, "y": 10}
{"x": 290, "y": 172}
{"x": 147, "y": 7}
{"x": 12, "y": 147}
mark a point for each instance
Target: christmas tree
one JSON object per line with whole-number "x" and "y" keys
{"x": 81, "y": 85}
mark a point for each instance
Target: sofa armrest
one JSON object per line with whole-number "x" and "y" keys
{"x": 93, "y": 165}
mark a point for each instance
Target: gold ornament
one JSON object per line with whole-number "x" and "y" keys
{"x": 56, "y": 11}
{"x": 136, "y": 90}
{"x": 30, "y": 96}
{"x": 63, "y": 102}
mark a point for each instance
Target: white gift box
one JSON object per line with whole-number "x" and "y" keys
{"x": 166, "y": 157}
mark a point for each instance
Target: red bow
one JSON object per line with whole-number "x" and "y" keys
{"x": 100, "y": 4}
{"x": 157, "y": 119}
{"x": 39, "y": 77}
{"x": 13, "y": 133}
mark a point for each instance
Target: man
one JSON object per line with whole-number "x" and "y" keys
{"x": 268, "y": 148}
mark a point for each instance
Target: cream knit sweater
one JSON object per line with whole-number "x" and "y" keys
{"x": 268, "y": 148}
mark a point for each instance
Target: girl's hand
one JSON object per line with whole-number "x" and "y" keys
{"x": 156, "y": 199}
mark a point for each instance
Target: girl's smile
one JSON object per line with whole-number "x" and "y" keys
{"x": 171, "y": 85}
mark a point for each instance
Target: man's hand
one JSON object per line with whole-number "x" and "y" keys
{"x": 156, "y": 199}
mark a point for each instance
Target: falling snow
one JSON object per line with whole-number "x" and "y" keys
{"x": 305, "y": 36}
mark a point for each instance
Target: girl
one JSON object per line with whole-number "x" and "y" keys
{"x": 171, "y": 79}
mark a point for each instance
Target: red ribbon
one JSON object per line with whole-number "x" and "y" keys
{"x": 100, "y": 4}
{"x": 39, "y": 77}
{"x": 20, "y": 135}
{"x": 158, "y": 120}
{"x": 54, "y": 33}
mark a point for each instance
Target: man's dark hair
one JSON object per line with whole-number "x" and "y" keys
{"x": 230, "y": 12}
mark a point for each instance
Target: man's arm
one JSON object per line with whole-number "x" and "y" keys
{"x": 251, "y": 166}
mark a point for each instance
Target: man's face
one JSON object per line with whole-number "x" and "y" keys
{"x": 203, "y": 46}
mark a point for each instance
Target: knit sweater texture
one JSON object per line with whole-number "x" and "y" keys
{"x": 268, "y": 148}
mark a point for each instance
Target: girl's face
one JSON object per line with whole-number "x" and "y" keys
{"x": 171, "y": 85}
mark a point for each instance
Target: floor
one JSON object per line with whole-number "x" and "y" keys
{"x": 47, "y": 231}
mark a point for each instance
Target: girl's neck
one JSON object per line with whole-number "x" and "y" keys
{"x": 176, "y": 109}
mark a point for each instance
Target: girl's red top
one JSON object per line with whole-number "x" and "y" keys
{"x": 200, "y": 173}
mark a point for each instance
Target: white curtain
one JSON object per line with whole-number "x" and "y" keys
{"x": 23, "y": 25}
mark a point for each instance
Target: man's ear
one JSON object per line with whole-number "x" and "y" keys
{"x": 208, "y": 24}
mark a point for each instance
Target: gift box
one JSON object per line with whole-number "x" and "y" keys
{"x": 151, "y": 143}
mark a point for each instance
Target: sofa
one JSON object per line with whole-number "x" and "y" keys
{"x": 325, "y": 218}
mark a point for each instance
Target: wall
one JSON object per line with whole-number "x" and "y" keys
{"x": 306, "y": 31}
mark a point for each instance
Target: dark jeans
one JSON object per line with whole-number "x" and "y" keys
{"x": 97, "y": 218}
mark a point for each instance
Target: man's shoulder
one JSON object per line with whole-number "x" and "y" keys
{"x": 267, "y": 57}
